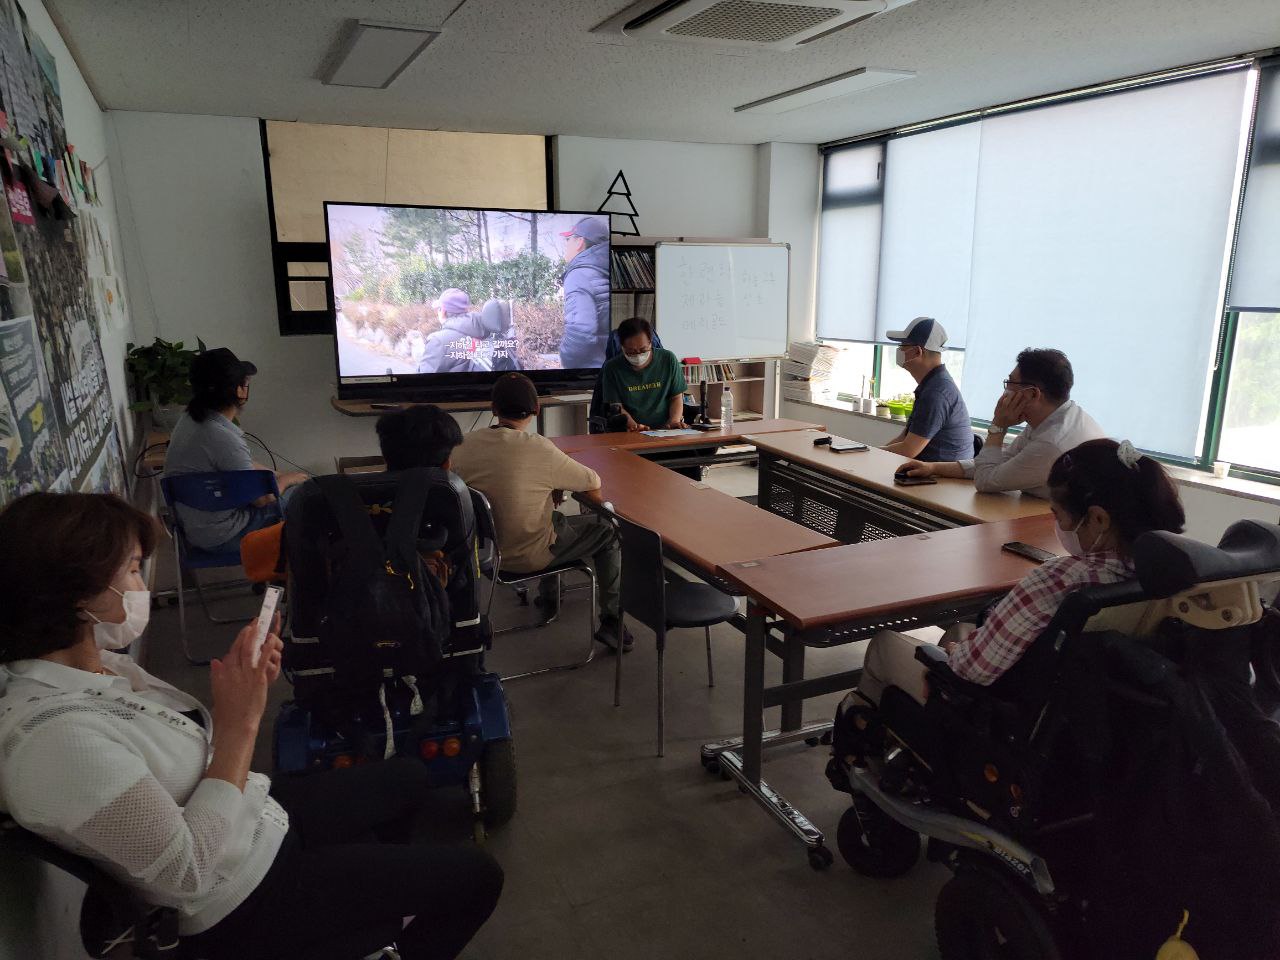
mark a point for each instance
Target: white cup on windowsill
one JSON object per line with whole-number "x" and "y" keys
{"x": 1221, "y": 469}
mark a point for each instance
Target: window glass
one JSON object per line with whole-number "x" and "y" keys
{"x": 1251, "y": 424}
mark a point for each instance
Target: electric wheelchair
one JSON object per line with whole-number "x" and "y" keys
{"x": 1126, "y": 769}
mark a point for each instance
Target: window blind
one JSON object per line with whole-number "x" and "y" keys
{"x": 849, "y": 243}
{"x": 1255, "y": 282}
{"x": 1100, "y": 229}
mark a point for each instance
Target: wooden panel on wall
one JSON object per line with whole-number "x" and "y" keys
{"x": 314, "y": 162}
{"x": 447, "y": 169}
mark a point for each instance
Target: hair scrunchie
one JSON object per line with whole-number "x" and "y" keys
{"x": 1128, "y": 454}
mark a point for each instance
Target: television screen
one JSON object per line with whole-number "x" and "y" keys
{"x": 425, "y": 297}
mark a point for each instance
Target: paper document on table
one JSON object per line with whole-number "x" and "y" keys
{"x": 670, "y": 433}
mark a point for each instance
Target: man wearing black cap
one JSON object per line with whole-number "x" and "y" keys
{"x": 586, "y": 293}
{"x": 525, "y": 476}
{"x": 939, "y": 427}
{"x": 207, "y": 440}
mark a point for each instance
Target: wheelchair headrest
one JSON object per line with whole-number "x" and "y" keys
{"x": 1169, "y": 563}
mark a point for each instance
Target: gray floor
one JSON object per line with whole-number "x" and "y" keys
{"x": 617, "y": 853}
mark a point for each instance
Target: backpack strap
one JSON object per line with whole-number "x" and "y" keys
{"x": 401, "y": 538}
{"x": 352, "y": 517}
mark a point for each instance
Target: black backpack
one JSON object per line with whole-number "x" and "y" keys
{"x": 384, "y": 615}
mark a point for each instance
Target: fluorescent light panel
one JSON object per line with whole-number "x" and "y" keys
{"x": 372, "y": 53}
{"x": 843, "y": 85}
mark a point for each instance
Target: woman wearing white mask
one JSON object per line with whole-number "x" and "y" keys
{"x": 1103, "y": 495}
{"x": 647, "y": 382}
{"x": 117, "y": 766}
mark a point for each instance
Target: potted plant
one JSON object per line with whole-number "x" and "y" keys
{"x": 161, "y": 381}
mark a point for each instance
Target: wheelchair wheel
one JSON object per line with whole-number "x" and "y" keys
{"x": 875, "y": 844}
{"x": 498, "y": 782}
{"x": 980, "y": 916}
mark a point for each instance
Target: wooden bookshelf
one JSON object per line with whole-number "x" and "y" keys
{"x": 632, "y": 296}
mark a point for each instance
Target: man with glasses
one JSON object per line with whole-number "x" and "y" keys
{"x": 1037, "y": 393}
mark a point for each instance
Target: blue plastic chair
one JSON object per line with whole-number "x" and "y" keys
{"x": 224, "y": 490}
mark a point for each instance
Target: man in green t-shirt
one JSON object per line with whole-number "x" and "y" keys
{"x": 648, "y": 383}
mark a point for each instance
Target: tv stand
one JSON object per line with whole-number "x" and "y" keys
{"x": 377, "y": 407}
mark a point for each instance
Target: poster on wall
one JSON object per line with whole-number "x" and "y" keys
{"x": 108, "y": 294}
{"x": 58, "y": 427}
{"x": 35, "y": 454}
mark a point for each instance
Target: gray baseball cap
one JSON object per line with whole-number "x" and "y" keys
{"x": 921, "y": 332}
{"x": 591, "y": 229}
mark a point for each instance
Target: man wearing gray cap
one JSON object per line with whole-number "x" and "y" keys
{"x": 586, "y": 293}
{"x": 938, "y": 428}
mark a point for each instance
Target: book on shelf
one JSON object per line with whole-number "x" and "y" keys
{"x": 710, "y": 373}
{"x": 631, "y": 268}
{"x": 625, "y": 305}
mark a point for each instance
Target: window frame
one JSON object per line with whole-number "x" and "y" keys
{"x": 1228, "y": 324}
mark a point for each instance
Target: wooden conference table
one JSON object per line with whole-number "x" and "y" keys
{"x": 703, "y": 528}
{"x": 852, "y": 496}
{"x": 702, "y": 438}
{"x": 846, "y": 594}
{"x": 938, "y": 561}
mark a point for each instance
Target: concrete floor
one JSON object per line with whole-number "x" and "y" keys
{"x": 617, "y": 853}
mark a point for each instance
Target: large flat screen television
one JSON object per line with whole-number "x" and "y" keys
{"x": 435, "y": 303}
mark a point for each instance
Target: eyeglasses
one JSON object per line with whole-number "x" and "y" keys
{"x": 1021, "y": 383}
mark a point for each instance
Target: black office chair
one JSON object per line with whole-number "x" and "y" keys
{"x": 977, "y": 444}
{"x": 661, "y": 605}
{"x": 604, "y": 417}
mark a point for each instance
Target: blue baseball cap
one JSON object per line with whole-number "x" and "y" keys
{"x": 921, "y": 332}
{"x": 590, "y": 229}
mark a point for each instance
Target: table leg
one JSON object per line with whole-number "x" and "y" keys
{"x": 792, "y": 669}
{"x": 753, "y": 693}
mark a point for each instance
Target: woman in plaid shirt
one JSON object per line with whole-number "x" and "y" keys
{"x": 1103, "y": 495}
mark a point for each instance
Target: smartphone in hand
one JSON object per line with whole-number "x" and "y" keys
{"x": 270, "y": 600}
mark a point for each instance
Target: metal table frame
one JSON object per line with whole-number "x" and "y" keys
{"x": 741, "y": 757}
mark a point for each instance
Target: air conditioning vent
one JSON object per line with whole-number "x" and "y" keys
{"x": 751, "y": 22}
{"x": 745, "y": 24}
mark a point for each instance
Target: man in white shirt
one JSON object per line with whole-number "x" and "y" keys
{"x": 1037, "y": 393}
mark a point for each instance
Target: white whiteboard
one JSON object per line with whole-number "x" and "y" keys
{"x": 723, "y": 301}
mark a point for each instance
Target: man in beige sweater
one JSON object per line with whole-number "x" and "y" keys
{"x": 525, "y": 477}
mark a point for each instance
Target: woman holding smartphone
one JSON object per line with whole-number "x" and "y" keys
{"x": 115, "y": 765}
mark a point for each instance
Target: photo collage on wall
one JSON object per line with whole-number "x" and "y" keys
{"x": 59, "y": 289}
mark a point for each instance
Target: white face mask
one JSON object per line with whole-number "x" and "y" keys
{"x": 900, "y": 356}
{"x": 137, "y": 613}
{"x": 1070, "y": 539}
{"x": 639, "y": 359}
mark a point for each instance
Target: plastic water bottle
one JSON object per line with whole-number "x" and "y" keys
{"x": 726, "y": 409}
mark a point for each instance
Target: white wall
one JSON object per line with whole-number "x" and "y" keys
{"x": 787, "y": 212}
{"x": 679, "y": 189}
{"x": 198, "y": 254}
{"x": 197, "y": 251}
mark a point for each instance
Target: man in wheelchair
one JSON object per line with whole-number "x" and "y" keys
{"x": 1096, "y": 756}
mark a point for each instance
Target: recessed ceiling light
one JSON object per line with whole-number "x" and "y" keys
{"x": 855, "y": 81}
{"x": 370, "y": 53}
